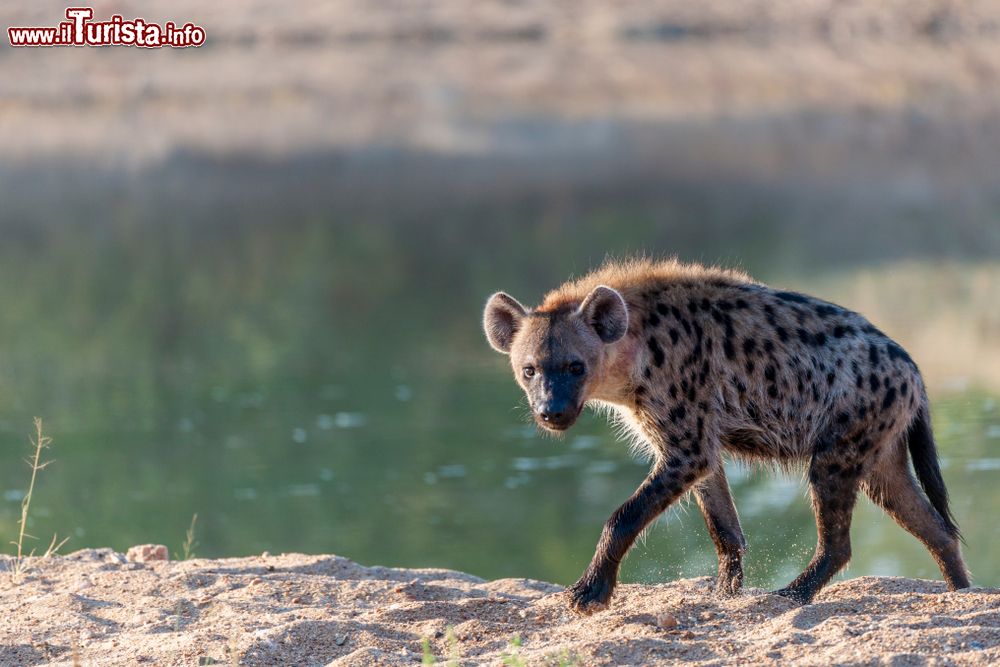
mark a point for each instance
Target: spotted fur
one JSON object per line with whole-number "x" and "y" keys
{"x": 709, "y": 363}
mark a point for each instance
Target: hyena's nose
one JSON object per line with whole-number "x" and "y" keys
{"x": 557, "y": 417}
{"x": 548, "y": 416}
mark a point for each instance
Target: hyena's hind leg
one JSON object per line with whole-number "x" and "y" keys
{"x": 716, "y": 504}
{"x": 833, "y": 483}
{"x": 891, "y": 486}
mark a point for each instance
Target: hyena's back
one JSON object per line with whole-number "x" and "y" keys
{"x": 770, "y": 372}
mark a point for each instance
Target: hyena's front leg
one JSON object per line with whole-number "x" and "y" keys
{"x": 664, "y": 485}
{"x": 716, "y": 503}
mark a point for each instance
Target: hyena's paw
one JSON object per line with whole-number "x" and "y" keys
{"x": 730, "y": 579}
{"x": 728, "y": 587}
{"x": 591, "y": 594}
{"x": 798, "y": 595}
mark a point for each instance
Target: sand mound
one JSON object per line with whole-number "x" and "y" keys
{"x": 94, "y": 607}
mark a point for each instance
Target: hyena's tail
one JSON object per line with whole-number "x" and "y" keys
{"x": 920, "y": 441}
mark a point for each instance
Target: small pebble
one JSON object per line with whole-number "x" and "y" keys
{"x": 145, "y": 553}
{"x": 667, "y": 621}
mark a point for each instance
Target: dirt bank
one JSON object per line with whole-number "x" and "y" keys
{"x": 93, "y": 607}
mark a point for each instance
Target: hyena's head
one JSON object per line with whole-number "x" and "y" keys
{"x": 559, "y": 356}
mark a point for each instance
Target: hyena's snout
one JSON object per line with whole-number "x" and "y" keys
{"x": 557, "y": 415}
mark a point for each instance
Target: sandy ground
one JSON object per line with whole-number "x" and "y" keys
{"x": 94, "y": 607}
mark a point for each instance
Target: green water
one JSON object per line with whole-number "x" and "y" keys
{"x": 318, "y": 385}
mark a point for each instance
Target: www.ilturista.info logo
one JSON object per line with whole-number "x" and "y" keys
{"x": 79, "y": 30}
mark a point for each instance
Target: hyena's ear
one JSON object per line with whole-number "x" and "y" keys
{"x": 605, "y": 310}
{"x": 501, "y": 320}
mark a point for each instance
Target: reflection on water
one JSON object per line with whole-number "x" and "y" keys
{"x": 324, "y": 387}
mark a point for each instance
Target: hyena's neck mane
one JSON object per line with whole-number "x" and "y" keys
{"x": 640, "y": 282}
{"x": 635, "y": 278}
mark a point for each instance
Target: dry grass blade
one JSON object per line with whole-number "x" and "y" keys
{"x": 40, "y": 442}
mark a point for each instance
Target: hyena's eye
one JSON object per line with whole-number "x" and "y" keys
{"x": 577, "y": 368}
{"x": 529, "y": 372}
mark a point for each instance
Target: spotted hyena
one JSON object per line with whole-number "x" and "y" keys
{"x": 699, "y": 362}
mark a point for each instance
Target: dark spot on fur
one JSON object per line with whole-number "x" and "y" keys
{"x": 662, "y": 309}
{"x": 653, "y": 319}
{"x": 890, "y": 398}
{"x": 843, "y": 418}
{"x": 782, "y": 334}
{"x": 727, "y": 347}
{"x": 826, "y": 310}
{"x": 749, "y": 345}
{"x": 692, "y": 306}
{"x": 674, "y": 336}
{"x": 772, "y": 391}
{"x": 873, "y": 382}
{"x": 769, "y": 346}
{"x": 829, "y": 379}
{"x": 657, "y": 351}
{"x": 873, "y": 354}
{"x": 770, "y": 373}
{"x": 841, "y": 330}
{"x": 647, "y": 372}
{"x": 741, "y": 304}
{"x": 672, "y": 391}
{"x": 750, "y": 366}
{"x": 794, "y": 297}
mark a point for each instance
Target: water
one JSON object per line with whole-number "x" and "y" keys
{"x": 319, "y": 384}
